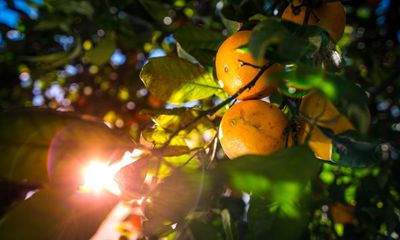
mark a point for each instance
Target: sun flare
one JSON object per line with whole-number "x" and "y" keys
{"x": 99, "y": 175}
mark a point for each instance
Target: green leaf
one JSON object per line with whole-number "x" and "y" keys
{"x": 191, "y": 40}
{"x": 186, "y": 160}
{"x": 292, "y": 164}
{"x": 284, "y": 41}
{"x": 226, "y": 223}
{"x": 165, "y": 208}
{"x": 198, "y": 134}
{"x": 351, "y": 101}
{"x": 177, "y": 81}
{"x": 230, "y": 25}
{"x": 193, "y": 37}
{"x": 280, "y": 214}
{"x": 102, "y": 52}
{"x": 277, "y": 186}
{"x": 193, "y": 137}
{"x": 172, "y": 119}
{"x": 258, "y": 17}
{"x": 38, "y": 145}
{"x": 51, "y": 214}
{"x": 133, "y": 173}
{"x": 200, "y": 230}
{"x": 52, "y": 24}
{"x": 81, "y": 7}
{"x": 54, "y": 60}
{"x": 185, "y": 55}
{"x": 253, "y": 183}
{"x": 350, "y": 149}
{"x": 155, "y": 9}
{"x": 156, "y": 137}
{"x": 345, "y": 94}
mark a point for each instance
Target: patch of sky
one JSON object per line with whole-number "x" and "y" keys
{"x": 8, "y": 17}
{"x": 71, "y": 70}
{"x": 118, "y": 58}
{"x": 55, "y": 92}
{"x": 187, "y": 105}
{"x": 158, "y": 52}
{"x": 66, "y": 42}
{"x": 15, "y": 35}
{"x": 170, "y": 39}
{"x": 382, "y": 7}
{"x": 22, "y": 5}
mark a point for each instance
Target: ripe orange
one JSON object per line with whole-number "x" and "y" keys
{"x": 252, "y": 127}
{"x": 329, "y": 16}
{"x": 235, "y": 75}
{"x": 319, "y": 110}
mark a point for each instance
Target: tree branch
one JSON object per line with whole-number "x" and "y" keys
{"x": 213, "y": 110}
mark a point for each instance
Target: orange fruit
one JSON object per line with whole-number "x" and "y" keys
{"x": 252, "y": 127}
{"x": 234, "y": 74}
{"x": 329, "y": 16}
{"x": 321, "y": 112}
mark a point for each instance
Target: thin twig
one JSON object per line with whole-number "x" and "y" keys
{"x": 159, "y": 152}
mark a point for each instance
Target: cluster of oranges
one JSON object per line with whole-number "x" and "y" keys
{"x": 254, "y": 126}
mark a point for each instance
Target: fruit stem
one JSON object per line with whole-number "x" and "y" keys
{"x": 243, "y": 63}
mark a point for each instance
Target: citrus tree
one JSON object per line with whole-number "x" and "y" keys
{"x": 200, "y": 120}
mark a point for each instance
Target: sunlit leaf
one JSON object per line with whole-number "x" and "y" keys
{"x": 187, "y": 160}
{"x": 177, "y": 81}
{"x": 51, "y": 214}
{"x": 196, "y": 135}
{"x": 156, "y": 137}
{"x": 252, "y": 183}
{"x": 173, "y": 119}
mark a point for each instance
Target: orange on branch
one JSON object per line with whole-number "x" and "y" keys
{"x": 252, "y": 127}
{"x": 236, "y": 67}
{"x": 329, "y": 16}
{"x": 320, "y": 112}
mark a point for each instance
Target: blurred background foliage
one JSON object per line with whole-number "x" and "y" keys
{"x": 85, "y": 56}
